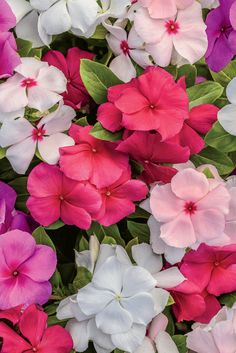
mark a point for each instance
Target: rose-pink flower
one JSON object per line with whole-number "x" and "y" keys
{"x": 191, "y": 209}
{"x": 164, "y": 9}
{"x": 25, "y": 270}
{"x": 72, "y": 201}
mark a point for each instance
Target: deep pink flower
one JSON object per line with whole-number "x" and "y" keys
{"x": 153, "y": 101}
{"x": 148, "y": 149}
{"x": 92, "y": 159}
{"x": 76, "y": 95}
{"x": 34, "y": 335}
{"x": 118, "y": 199}
{"x": 25, "y": 270}
{"x": 13, "y": 314}
{"x": 70, "y": 200}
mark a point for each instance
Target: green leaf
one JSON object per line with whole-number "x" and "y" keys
{"x": 181, "y": 343}
{"x": 206, "y": 92}
{"x": 20, "y": 186}
{"x": 2, "y": 152}
{"x": 102, "y": 231}
{"x": 97, "y": 78}
{"x": 228, "y": 299}
{"x": 220, "y": 139}
{"x": 36, "y": 53}
{"x": 56, "y": 225}
{"x": 83, "y": 244}
{"x": 226, "y": 75}
{"x": 119, "y": 351}
{"x": 56, "y": 280}
{"x": 128, "y": 247}
{"x": 212, "y": 156}
{"x": 82, "y": 278}
{"x": 82, "y": 121}
{"x": 137, "y": 168}
{"x": 170, "y": 301}
{"x": 140, "y": 213}
{"x": 108, "y": 240}
{"x": 102, "y": 134}
{"x": 139, "y": 230}
{"x": 24, "y": 47}
{"x": 100, "y": 33}
{"x": 208, "y": 173}
{"x": 51, "y": 309}
{"x": 52, "y": 320}
{"x": 41, "y": 237}
{"x": 171, "y": 325}
{"x": 190, "y": 73}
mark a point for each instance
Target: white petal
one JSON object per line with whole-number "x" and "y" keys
{"x": 83, "y": 13}
{"x": 165, "y": 344}
{"x": 130, "y": 340}
{"x": 12, "y": 95}
{"x": 52, "y": 79}
{"x": 114, "y": 43}
{"x": 144, "y": 257}
{"x": 114, "y": 319}
{"x": 169, "y": 278}
{"x": 123, "y": 68}
{"x": 106, "y": 251}
{"x": 20, "y": 8}
{"x": 118, "y": 8}
{"x": 145, "y": 205}
{"x": 30, "y": 67}
{"x": 160, "y": 296}
{"x": 27, "y": 29}
{"x": 230, "y": 91}
{"x": 12, "y": 115}
{"x": 45, "y": 38}
{"x": 98, "y": 337}
{"x": 122, "y": 256}
{"x": 50, "y": 145}
{"x": 227, "y": 118}
{"x": 41, "y": 99}
{"x": 64, "y": 309}
{"x": 141, "y": 307}
{"x": 59, "y": 120}
{"x": 87, "y": 302}
{"x": 173, "y": 255}
{"x": 83, "y": 259}
{"x": 162, "y": 50}
{"x": 21, "y": 154}
{"x": 99, "y": 349}
{"x": 56, "y": 19}
{"x": 137, "y": 280}
{"x": 14, "y": 131}
{"x": 141, "y": 57}
{"x": 146, "y": 347}
{"x": 42, "y": 5}
{"x": 134, "y": 40}
{"x": 79, "y": 334}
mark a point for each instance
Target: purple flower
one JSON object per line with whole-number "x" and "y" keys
{"x": 25, "y": 270}
{"x": 9, "y": 57}
{"x": 221, "y": 36}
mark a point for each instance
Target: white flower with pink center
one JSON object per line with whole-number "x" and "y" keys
{"x": 23, "y": 139}
{"x": 126, "y": 47}
{"x": 178, "y": 40}
{"x": 35, "y": 84}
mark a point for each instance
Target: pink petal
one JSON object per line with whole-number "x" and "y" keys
{"x": 38, "y": 205}
{"x": 133, "y": 190}
{"x": 131, "y": 101}
{"x": 217, "y": 198}
{"x": 109, "y": 116}
{"x": 56, "y": 340}
{"x": 222, "y": 280}
{"x": 73, "y": 215}
{"x": 203, "y": 117}
{"x": 12, "y": 342}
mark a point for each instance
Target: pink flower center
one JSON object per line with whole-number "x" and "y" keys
{"x": 28, "y": 82}
{"x": 15, "y": 273}
{"x": 94, "y": 150}
{"x": 108, "y": 193}
{"x": 124, "y": 46}
{"x": 172, "y": 27}
{"x": 190, "y": 208}
{"x": 38, "y": 134}
{"x": 152, "y": 106}
{"x": 61, "y": 197}
{"x": 34, "y": 349}
{"x": 216, "y": 264}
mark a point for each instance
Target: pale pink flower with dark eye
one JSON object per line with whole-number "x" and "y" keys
{"x": 191, "y": 209}
{"x": 25, "y": 270}
{"x": 35, "y": 84}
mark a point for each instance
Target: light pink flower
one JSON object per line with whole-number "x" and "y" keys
{"x": 164, "y": 9}
{"x": 191, "y": 209}
{"x": 35, "y": 84}
{"x": 25, "y": 270}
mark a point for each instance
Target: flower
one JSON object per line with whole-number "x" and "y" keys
{"x": 209, "y": 4}
{"x": 118, "y": 199}
{"x": 178, "y": 40}
{"x": 8, "y": 50}
{"x": 226, "y": 116}
{"x": 148, "y": 149}
{"x": 35, "y": 85}
{"x": 34, "y": 335}
{"x": 92, "y": 159}
{"x": 219, "y": 336}
{"x": 76, "y": 94}
{"x": 72, "y": 201}
{"x": 23, "y": 138}
{"x": 191, "y": 209}
{"x": 221, "y": 36}
{"x": 25, "y": 270}
{"x": 126, "y": 48}
{"x": 159, "y": 9}
{"x": 153, "y": 101}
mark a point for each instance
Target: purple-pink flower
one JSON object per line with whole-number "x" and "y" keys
{"x": 25, "y": 270}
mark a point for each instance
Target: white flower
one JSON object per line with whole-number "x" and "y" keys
{"x": 126, "y": 47}
{"x": 115, "y": 308}
{"x": 227, "y": 115}
{"x": 180, "y": 39}
{"x": 24, "y": 138}
{"x": 209, "y": 4}
{"x": 35, "y": 84}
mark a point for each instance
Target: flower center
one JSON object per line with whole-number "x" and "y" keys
{"x": 15, "y": 273}
{"x": 38, "y": 134}
{"x": 172, "y": 27}
{"x": 108, "y": 193}
{"x": 124, "y": 46}
{"x": 94, "y": 150}
{"x": 146, "y": 162}
{"x": 216, "y": 264}
{"x": 61, "y": 197}
{"x": 152, "y": 106}
{"x": 118, "y": 297}
{"x": 28, "y": 82}
{"x": 34, "y": 349}
{"x": 190, "y": 208}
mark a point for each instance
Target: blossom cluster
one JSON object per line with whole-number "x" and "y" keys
{"x": 118, "y": 176}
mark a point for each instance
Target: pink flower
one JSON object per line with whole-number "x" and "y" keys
{"x": 191, "y": 209}
{"x": 164, "y": 9}
{"x": 13, "y": 314}
{"x": 118, "y": 199}
{"x": 92, "y": 159}
{"x": 70, "y": 200}
{"x": 76, "y": 94}
{"x": 25, "y": 270}
{"x": 34, "y": 336}
{"x": 153, "y": 101}
{"x": 9, "y": 57}
{"x": 148, "y": 149}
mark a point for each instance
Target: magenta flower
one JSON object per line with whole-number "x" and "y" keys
{"x": 25, "y": 270}
{"x": 76, "y": 94}
{"x": 33, "y": 335}
{"x": 8, "y": 50}
{"x": 72, "y": 201}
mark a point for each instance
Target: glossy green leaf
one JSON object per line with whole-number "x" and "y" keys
{"x": 206, "y": 92}
{"x": 102, "y": 134}
{"x": 220, "y": 139}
